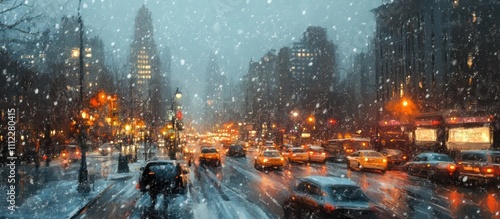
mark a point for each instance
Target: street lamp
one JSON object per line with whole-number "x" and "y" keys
{"x": 172, "y": 151}
{"x": 83, "y": 183}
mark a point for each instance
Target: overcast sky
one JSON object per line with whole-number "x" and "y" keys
{"x": 235, "y": 30}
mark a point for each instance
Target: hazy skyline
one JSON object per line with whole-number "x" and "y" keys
{"x": 235, "y": 30}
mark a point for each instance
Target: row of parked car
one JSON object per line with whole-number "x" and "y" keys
{"x": 474, "y": 166}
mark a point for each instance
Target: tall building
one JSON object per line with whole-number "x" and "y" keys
{"x": 262, "y": 94}
{"x": 442, "y": 54}
{"x": 149, "y": 92}
{"x": 144, "y": 58}
{"x": 306, "y": 75}
{"x": 214, "y": 94}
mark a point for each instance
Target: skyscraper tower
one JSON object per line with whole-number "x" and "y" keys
{"x": 144, "y": 59}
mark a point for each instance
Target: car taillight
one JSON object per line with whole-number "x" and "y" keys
{"x": 405, "y": 157}
{"x": 265, "y": 160}
{"x": 384, "y": 160}
{"x": 488, "y": 169}
{"x": 451, "y": 167}
{"x": 310, "y": 152}
{"x": 77, "y": 152}
{"x": 366, "y": 159}
{"x": 282, "y": 159}
{"x": 64, "y": 154}
{"x": 323, "y": 153}
{"x": 329, "y": 207}
{"x": 137, "y": 186}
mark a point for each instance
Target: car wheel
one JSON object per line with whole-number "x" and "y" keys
{"x": 383, "y": 171}
{"x": 255, "y": 166}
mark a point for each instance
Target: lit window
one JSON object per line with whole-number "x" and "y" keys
{"x": 75, "y": 53}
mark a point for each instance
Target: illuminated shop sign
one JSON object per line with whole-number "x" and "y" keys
{"x": 422, "y": 134}
{"x": 389, "y": 122}
{"x": 470, "y": 135}
{"x": 427, "y": 122}
{"x": 462, "y": 120}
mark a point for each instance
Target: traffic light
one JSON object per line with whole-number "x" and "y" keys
{"x": 332, "y": 121}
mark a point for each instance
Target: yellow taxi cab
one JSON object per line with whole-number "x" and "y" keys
{"x": 209, "y": 155}
{"x": 367, "y": 159}
{"x": 296, "y": 155}
{"x": 269, "y": 159}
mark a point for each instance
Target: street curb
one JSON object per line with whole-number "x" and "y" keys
{"x": 91, "y": 202}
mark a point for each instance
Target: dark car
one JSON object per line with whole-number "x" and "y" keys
{"x": 328, "y": 197}
{"x": 161, "y": 177}
{"x": 434, "y": 166}
{"x": 479, "y": 165}
{"x": 394, "y": 157}
{"x": 236, "y": 150}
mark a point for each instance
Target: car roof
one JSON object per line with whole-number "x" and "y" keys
{"x": 430, "y": 153}
{"x": 315, "y": 147}
{"x": 330, "y": 180}
{"x": 155, "y": 162}
{"x": 294, "y": 148}
{"x": 272, "y": 151}
{"x": 368, "y": 151}
{"x": 481, "y": 151}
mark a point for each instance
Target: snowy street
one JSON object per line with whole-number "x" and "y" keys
{"x": 237, "y": 190}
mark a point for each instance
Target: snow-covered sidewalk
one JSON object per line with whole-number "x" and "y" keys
{"x": 60, "y": 199}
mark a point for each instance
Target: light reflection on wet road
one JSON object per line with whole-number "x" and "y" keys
{"x": 238, "y": 190}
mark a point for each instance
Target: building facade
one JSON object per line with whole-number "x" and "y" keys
{"x": 441, "y": 54}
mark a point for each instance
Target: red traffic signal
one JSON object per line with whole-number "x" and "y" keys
{"x": 332, "y": 121}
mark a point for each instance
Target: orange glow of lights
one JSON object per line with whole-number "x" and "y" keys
{"x": 451, "y": 167}
{"x": 384, "y": 160}
{"x": 329, "y": 208}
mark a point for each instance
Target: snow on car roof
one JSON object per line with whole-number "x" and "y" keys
{"x": 330, "y": 180}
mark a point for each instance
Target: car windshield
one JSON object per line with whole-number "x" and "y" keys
{"x": 347, "y": 194}
{"x": 208, "y": 150}
{"x": 392, "y": 152}
{"x": 495, "y": 158}
{"x": 163, "y": 170}
{"x": 236, "y": 147}
{"x": 440, "y": 158}
{"x": 372, "y": 154}
{"x": 318, "y": 149}
{"x": 474, "y": 157}
{"x": 271, "y": 154}
{"x": 298, "y": 150}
